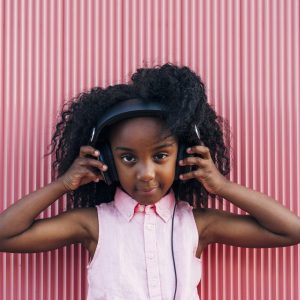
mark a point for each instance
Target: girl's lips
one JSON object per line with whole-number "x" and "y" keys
{"x": 148, "y": 191}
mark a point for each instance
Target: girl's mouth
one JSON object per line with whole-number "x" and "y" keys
{"x": 148, "y": 191}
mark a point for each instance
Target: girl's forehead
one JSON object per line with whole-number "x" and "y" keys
{"x": 140, "y": 127}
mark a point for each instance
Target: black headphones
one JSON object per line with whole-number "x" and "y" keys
{"x": 125, "y": 110}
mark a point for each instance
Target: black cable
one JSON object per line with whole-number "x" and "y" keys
{"x": 173, "y": 252}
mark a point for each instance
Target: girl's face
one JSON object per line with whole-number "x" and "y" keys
{"x": 145, "y": 158}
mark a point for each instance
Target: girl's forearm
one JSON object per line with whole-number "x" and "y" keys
{"x": 268, "y": 212}
{"x": 20, "y": 216}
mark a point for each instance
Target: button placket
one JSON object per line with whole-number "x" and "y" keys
{"x": 151, "y": 253}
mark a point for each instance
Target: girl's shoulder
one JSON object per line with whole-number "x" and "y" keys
{"x": 201, "y": 216}
{"x": 204, "y": 218}
{"x": 88, "y": 217}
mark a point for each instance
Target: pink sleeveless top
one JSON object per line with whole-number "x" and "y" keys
{"x": 133, "y": 258}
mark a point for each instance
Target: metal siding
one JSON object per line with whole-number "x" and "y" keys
{"x": 247, "y": 52}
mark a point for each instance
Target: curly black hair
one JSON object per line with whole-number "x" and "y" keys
{"x": 182, "y": 93}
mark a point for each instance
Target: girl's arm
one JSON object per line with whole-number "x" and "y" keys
{"x": 20, "y": 232}
{"x": 268, "y": 224}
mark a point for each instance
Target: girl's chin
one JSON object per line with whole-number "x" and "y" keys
{"x": 148, "y": 192}
{"x": 147, "y": 197}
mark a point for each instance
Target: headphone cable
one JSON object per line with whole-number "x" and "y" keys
{"x": 173, "y": 251}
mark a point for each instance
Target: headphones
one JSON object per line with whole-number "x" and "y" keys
{"x": 125, "y": 110}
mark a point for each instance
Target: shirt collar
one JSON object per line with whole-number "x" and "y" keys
{"x": 127, "y": 205}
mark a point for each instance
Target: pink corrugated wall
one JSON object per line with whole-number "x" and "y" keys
{"x": 247, "y": 53}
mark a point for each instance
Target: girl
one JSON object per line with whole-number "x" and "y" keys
{"x": 139, "y": 204}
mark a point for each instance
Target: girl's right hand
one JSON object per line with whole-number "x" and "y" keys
{"x": 84, "y": 169}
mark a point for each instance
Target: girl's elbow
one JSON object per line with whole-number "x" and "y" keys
{"x": 3, "y": 246}
{"x": 294, "y": 236}
{"x": 296, "y": 239}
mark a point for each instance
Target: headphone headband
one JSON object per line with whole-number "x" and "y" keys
{"x": 124, "y": 110}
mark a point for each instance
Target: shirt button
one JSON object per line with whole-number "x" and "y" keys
{"x": 154, "y": 283}
{"x": 150, "y": 226}
{"x": 141, "y": 208}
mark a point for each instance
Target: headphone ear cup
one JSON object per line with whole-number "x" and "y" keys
{"x": 181, "y": 154}
{"x": 107, "y": 158}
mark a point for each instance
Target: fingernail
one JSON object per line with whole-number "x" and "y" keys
{"x": 97, "y": 153}
{"x": 104, "y": 168}
{"x": 180, "y": 176}
{"x": 188, "y": 149}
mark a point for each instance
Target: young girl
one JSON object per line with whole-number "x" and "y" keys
{"x": 139, "y": 204}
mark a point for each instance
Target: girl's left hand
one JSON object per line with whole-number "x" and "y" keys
{"x": 206, "y": 172}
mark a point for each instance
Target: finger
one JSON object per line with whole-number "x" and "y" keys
{"x": 201, "y": 150}
{"x": 190, "y": 175}
{"x": 192, "y": 161}
{"x": 90, "y": 173}
{"x": 96, "y": 177}
{"x": 88, "y": 150}
{"x": 90, "y": 176}
{"x": 94, "y": 163}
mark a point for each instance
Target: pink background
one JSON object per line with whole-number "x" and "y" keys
{"x": 247, "y": 52}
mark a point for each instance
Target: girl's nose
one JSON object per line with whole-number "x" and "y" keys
{"x": 146, "y": 172}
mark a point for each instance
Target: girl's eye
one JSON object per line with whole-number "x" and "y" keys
{"x": 160, "y": 156}
{"x": 128, "y": 158}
